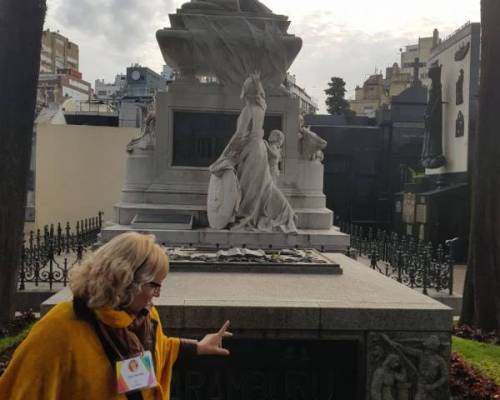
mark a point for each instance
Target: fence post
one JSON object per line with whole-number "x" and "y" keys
{"x": 45, "y": 234}
{"x": 59, "y": 239}
{"x": 65, "y": 272}
{"x": 36, "y": 254}
{"x": 450, "y": 258}
{"x": 51, "y": 263}
{"x": 438, "y": 267}
{"x": 68, "y": 237}
{"x": 23, "y": 263}
{"x": 79, "y": 250}
{"x": 399, "y": 257}
{"x": 426, "y": 257}
{"x": 31, "y": 241}
{"x": 451, "y": 273}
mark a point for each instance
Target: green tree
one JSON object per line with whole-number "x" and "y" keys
{"x": 335, "y": 97}
{"x": 21, "y": 24}
{"x": 481, "y": 300}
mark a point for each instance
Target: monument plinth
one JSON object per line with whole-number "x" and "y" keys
{"x": 306, "y": 335}
{"x": 168, "y": 174}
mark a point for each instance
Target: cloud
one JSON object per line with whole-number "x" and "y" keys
{"x": 123, "y": 24}
{"x": 333, "y": 48}
{"x": 111, "y": 34}
{"x": 339, "y": 40}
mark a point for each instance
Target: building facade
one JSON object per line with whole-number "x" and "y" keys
{"x": 59, "y": 77}
{"x": 110, "y": 91}
{"x": 307, "y": 104}
{"x": 56, "y": 88}
{"x": 57, "y": 53}
{"x": 422, "y": 50}
{"x": 143, "y": 82}
{"x": 370, "y": 97}
{"x": 459, "y": 56}
{"x": 436, "y": 207}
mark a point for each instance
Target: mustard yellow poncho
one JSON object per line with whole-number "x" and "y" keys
{"x": 62, "y": 359}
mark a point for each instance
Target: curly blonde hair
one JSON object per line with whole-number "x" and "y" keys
{"x": 115, "y": 273}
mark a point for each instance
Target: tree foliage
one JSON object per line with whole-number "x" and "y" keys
{"x": 335, "y": 100}
{"x": 21, "y": 24}
{"x": 481, "y": 300}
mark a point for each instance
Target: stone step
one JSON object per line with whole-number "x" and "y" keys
{"x": 308, "y": 218}
{"x": 321, "y": 239}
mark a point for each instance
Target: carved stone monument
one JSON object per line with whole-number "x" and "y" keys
{"x": 303, "y": 331}
{"x": 206, "y": 157}
{"x": 301, "y": 319}
{"x": 260, "y": 204}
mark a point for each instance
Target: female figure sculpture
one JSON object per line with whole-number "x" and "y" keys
{"x": 242, "y": 192}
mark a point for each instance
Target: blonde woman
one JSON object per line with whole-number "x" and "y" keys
{"x": 86, "y": 348}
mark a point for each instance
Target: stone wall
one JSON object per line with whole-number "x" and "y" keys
{"x": 79, "y": 171}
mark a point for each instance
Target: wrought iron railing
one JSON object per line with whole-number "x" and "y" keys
{"x": 403, "y": 258}
{"x": 47, "y": 255}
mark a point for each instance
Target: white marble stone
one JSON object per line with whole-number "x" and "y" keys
{"x": 156, "y": 181}
{"x": 243, "y": 194}
{"x": 322, "y": 239}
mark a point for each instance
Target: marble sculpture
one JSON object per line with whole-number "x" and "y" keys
{"x": 229, "y": 40}
{"x": 242, "y": 193}
{"x": 310, "y": 144}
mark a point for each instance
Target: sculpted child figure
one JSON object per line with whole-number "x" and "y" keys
{"x": 274, "y": 147}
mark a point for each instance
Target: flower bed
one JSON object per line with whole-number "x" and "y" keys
{"x": 467, "y": 332}
{"x": 17, "y": 325}
{"x": 12, "y": 334}
{"x": 466, "y": 383}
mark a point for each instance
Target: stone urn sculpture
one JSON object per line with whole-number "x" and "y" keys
{"x": 229, "y": 40}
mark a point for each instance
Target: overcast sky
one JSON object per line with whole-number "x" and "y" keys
{"x": 341, "y": 38}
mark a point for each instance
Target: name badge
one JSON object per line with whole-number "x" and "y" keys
{"x": 135, "y": 373}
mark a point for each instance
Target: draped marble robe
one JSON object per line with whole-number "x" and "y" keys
{"x": 261, "y": 205}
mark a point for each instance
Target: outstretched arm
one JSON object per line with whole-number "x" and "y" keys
{"x": 404, "y": 349}
{"x": 211, "y": 344}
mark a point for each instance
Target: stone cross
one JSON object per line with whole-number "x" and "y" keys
{"x": 416, "y": 68}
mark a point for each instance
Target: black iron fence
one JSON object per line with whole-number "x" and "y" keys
{"x": 48, "y": 255}
{"x": 409, "y": 261}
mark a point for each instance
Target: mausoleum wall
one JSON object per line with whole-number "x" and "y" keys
{"x": 79, "y": 171}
